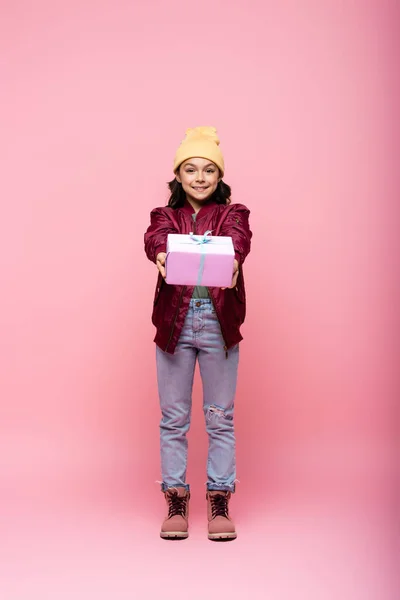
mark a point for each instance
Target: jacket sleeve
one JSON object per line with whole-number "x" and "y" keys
{"x": 155, "y": 238}
{"x": 236, "y": 225}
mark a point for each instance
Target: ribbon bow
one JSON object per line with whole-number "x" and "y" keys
{"x": 201, "y": 239}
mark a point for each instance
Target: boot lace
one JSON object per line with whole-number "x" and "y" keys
{"x": 177, "y": 505}
{"x": 219, "y": 505}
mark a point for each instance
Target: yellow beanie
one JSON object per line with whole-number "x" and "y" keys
{"x": 200, "y": 142}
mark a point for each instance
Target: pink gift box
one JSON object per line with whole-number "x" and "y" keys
{"x": 199, "y": 260}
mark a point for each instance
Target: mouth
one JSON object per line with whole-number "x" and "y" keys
{"x": 200, "y": 189}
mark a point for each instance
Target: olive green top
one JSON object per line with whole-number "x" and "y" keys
{"x": 200, "y": 291}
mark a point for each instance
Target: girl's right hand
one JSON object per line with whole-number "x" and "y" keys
{"x": 160, "y": 262}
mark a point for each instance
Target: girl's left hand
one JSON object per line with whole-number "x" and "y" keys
{"x": 235, "y": 275}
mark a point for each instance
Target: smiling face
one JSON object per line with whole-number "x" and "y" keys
{"x": 199, "y": 178}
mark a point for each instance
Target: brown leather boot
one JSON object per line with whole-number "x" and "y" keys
{"x": 175, "y": 525}
{"x": 220, "y": 525}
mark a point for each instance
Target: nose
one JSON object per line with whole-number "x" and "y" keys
{"x": 200, "y": 177}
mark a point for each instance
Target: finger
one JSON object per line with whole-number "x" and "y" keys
{"x": 161, "y": 257}
{"x": 234, "y": 280}
{"x": 161, "y": 270}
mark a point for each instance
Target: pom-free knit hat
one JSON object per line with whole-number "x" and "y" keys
{"x": 200, "y": 142}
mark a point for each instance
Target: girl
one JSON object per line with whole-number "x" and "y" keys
{"x": 197, "y": 323}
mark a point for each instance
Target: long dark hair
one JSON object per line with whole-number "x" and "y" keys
{"x": 222, "y": 194}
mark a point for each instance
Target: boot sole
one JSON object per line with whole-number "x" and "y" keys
{"x": 222, "y": 537}
{"x": 174, "y": 535}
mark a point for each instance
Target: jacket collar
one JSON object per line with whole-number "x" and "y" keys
{"x": 188, "y": 209}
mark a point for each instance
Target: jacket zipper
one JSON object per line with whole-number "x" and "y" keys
{"x": 179, "y": 305}
{"x": 176, "y": 316}
{"x": 177, "y": 310}
{"x": 211, "y": 298}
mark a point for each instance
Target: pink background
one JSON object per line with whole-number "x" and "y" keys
{"x": 95, "y": 97}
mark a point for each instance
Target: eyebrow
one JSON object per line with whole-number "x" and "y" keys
{"x": 207, "y": 165}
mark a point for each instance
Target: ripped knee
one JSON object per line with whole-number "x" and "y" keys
{"x": 215, "y": 413}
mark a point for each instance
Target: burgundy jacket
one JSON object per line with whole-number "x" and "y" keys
{"x": 171, "y": 302}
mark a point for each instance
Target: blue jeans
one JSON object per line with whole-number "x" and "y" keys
{"x": 200, "y": 339}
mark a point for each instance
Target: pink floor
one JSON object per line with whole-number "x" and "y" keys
{"x": 288, "y": 548}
